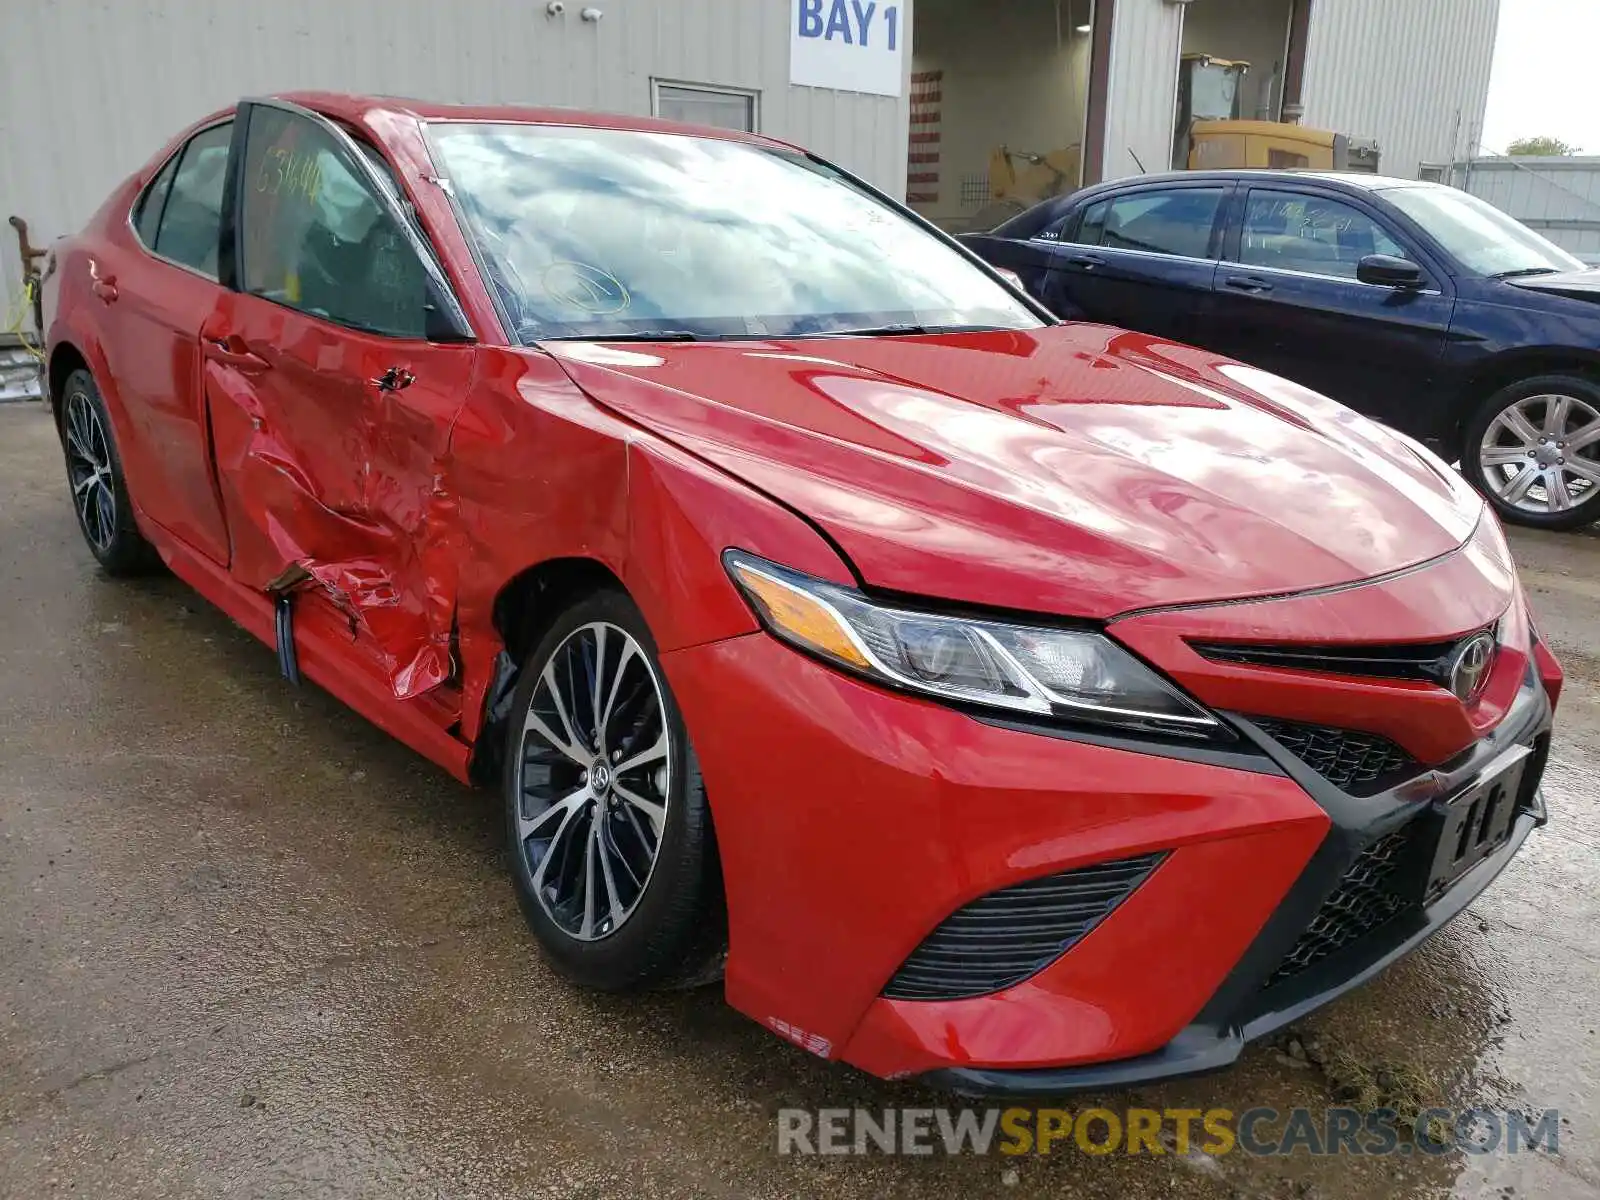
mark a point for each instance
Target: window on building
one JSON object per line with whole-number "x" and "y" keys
{"x": 191, "y": 217}
{"x": 694, "y": 104}
{"x": 317, "y": 239}
{"x": 1172, "y": 221}
{"x": 1316, "y": 235}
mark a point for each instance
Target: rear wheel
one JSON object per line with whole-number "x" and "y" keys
{"x": 99, "y": 490}
{"x": 610, "y": 836}
{"x": 1534, "y": 450}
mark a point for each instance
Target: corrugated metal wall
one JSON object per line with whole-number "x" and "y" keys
{"x": 1412, "y": 73}
{"x": 1142, "y": 87}
{"x": 1559, "y": 197}
{"x": 90, "y": 88}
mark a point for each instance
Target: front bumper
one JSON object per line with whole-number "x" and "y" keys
{"x": 851, "y": 821}
{"x": 1221, "y": 1032}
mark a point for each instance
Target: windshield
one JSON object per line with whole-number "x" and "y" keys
{"x": 1482, "y": 237}
{"x": 603, "y": 232}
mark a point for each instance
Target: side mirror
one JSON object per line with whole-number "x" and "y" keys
{"x": 1386, "y": 270}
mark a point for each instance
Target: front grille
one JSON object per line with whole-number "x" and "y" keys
{"x": 1369, "y": 895}
{"x": 1353, "y": 761}
{"x": 1428, "y": 662}
{"x": 1000, "y": 939}
{"x": 1387, "y": 880}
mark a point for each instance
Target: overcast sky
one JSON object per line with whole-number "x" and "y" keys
{"x": 1546, "y": 62}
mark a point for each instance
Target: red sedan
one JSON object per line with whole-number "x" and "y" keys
{"x": 1025, "y": 704}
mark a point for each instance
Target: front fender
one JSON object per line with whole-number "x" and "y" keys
{"x": 544, "y": 473}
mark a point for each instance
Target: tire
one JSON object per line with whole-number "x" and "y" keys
{"x": 97, "y": 484}
{"x": 1553, "y": 483}
{"x": 657, "y": 916}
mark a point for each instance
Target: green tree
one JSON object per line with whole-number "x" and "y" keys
{"x": 1530, "y": 147}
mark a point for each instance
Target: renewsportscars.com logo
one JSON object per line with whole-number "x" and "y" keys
{"x": 1215, "y": 1131}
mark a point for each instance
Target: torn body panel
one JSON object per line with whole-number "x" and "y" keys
{"x": 329, "y": 481}
{"x": 537, "y": 474}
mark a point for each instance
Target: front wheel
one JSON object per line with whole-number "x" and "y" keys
{"x": 610, "y": 835}
{"x": 1533, "y": 450}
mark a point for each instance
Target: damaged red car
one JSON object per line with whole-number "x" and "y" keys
{"x": 1022, "y": 704}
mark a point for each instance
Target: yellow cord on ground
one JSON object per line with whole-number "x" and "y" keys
{"x": 19, "y": 312}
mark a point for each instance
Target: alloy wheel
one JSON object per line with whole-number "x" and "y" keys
{"x": 594, "y": 777}
{"x": 89, "y": 472}
{"x": 1541, "y": 454}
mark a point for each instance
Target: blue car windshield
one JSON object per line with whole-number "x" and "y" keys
{"x": 595, "y": 233}
{"x": 1485, "y": 240}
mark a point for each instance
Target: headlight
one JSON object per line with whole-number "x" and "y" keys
{"x": 1065, "y": 673}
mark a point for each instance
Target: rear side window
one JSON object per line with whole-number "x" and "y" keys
{"x": 147, "y": 212}
{"x": 191, "y": 218}
{"x": 1178, "y": 221}
{"x": 316, "y": 238}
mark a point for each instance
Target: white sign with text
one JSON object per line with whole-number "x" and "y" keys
{"x": 851, "y": 45}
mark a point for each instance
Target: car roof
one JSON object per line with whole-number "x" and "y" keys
{"x": 362, "y": 109}
{"x": 1353, "y": 179}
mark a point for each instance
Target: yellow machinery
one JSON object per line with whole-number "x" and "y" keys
{"x": 1276, "y": 146}
{"x": 1027, "y": 178}
{"x": 1209, "y": 133}
{"x": 1019, "y": 179}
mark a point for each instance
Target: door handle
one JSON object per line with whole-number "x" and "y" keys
{"x": 1084, "y": 262}
{"x": 1247, "y": 283}
{"x": 104, "y": 286}
{"x": 228, "y": 353}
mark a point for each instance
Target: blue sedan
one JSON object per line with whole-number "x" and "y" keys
{"x": 1412, "y": 302}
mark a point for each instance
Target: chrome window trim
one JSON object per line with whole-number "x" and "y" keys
{"x": 145, "y": 187}
{"x": 1382, "y": 287}
{"x": 1230, "y": 262}
{"x": 1158, "y": 254}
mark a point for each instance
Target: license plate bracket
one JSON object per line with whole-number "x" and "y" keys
{"x": 1476, "y": 821}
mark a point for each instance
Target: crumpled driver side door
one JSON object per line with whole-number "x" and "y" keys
{"x": 334, "y": 373}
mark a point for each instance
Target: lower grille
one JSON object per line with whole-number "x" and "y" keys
{"x": 1369, "y": 895}
{"x": 1355, "y": 762}
{"x": 1000, "y": 939}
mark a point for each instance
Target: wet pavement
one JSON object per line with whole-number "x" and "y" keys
{"x": 250, "y": 946}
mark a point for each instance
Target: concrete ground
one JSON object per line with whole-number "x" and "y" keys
{"x": 249, "y": 946}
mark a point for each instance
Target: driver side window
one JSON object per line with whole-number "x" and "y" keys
{"x": 1311, "y": 234}
{"x": 316, "y": 238}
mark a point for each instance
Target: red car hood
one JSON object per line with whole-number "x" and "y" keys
{"x": 1075, "y": 469}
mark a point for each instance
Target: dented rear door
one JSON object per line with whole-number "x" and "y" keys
{"x": 333, "y": 381}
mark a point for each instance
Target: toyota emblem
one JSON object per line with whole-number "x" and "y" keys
{"x": 1469, "y": 670}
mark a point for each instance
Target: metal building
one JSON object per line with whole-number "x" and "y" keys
{"x": 1411, "y": 74}
{"x": 1559, "y": 197}
{"x": 91, "y": 88}
{"x": 946, "y": 102}
{"x": 1030, "y": 90}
